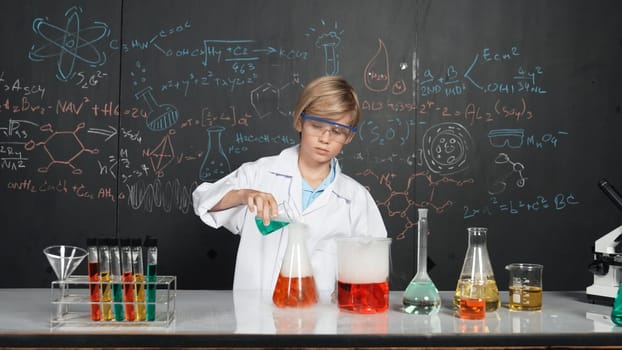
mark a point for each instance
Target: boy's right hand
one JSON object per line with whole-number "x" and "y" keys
{"x": 263, "y": 204}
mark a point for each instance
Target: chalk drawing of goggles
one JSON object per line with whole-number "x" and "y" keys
{"x": 512, "y": 138}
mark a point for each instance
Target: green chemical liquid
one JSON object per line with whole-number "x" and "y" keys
{"x": 151, "y": 292}
{"x": 272, "y": 226}
{"x": 616, "y": 312}
{"x": 421, "y": 298}
{"x": 117, "y": 297}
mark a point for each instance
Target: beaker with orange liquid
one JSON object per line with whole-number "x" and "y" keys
{"x": 295, "y": 286}
{"x": 363, "y": 274}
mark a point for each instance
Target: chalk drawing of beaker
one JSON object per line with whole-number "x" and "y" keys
{"x": 159, "y": 116}
{"x": 215, "y": 164}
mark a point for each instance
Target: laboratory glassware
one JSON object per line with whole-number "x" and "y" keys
{"x": 421, "y": 296}
{"x": 284, "y": 216}
{"x": 64, "y": 259}
{"x": 295, "y": 286}
{"x": 363, "y": 265}
{"x": 476, "y": 276}
{"x": 93, "y": 272}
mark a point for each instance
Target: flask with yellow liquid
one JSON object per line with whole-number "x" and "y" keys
{"x": 477, "y": 274}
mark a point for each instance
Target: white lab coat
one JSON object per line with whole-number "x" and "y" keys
{"x": 344, "y": 209}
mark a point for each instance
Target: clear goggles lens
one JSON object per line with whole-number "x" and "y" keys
{"x": 316, "y": 126}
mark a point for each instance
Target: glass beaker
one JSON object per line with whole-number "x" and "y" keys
{"x": 215, "y": 163}
{"x": 295, "y": 286}
{"x": 477, "y": 270}
{"x": 421, "y": 296}
{"x": 363, "y": 274}
{"x": 616, "y": 311}
{"x": 285, "y": 215}
{"x": 525, "y": 286}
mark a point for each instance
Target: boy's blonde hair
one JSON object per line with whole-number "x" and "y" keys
{"x": 327, "y": 97}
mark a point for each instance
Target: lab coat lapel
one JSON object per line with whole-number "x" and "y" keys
{"x": 287, "y": 165}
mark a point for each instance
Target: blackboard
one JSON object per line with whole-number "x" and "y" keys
{"x": 496, "y": 114}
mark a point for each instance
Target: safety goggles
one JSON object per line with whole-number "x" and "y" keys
{"x": 316, "y": 126}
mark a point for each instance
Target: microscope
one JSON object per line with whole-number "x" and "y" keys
{"x": 607, "y": 264}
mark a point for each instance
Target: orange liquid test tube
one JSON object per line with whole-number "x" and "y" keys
{"x": 93, "y": 272}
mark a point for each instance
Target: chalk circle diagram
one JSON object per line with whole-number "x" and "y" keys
{"x": 446, "y": 148}
{"x": 70, "y": 44}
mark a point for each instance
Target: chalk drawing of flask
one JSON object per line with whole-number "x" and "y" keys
{"x": 215, "y": 164}
{"x": 159, "y": 116}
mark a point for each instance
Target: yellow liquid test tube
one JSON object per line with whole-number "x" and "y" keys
{"x": 106, "y": 296}
{"x": 140, "y": 297}
{"x": 139, "y": 279}
{"x": 104, "y": 279}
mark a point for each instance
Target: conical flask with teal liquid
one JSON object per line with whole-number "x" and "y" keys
{"x": 421, "y": 296}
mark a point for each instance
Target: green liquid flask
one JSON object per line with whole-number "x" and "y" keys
{"x": 283, "y": 218}
{"x": 616, "y": 312}
{"x": 421, "y": 296}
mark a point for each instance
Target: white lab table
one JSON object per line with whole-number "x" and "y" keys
{"x": 209, "y": 318}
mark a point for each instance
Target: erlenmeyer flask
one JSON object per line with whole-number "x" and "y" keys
{"x": 215, "y": 163}
{"x": 421, "y": 296}
{"x": 285, "y": 215}
{"x": 295, "y": 286}
{"x": 477, "y": 273}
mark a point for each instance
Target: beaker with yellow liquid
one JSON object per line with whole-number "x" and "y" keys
{"x": 477, "y": 273}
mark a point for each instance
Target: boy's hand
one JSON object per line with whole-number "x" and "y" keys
{"x": 262, "y": 204}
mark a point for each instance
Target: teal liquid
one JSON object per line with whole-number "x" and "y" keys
{"x": 421, "y": 298}
{"x": 117, "y": 298}
{"x": 616, "y": 312}
{"x": 151, "y": 292}
{"x": 272, "y": 226}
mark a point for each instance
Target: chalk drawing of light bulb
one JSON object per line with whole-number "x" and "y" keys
{"x": 215, "y": 163}
{"x": 159, "y": 116}
{"x": 329, "y": 42}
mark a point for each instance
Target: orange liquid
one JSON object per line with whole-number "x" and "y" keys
{"x": 93, "y": 271}
{"x": 128, "y": 296}
{"x": 365, "y": 298}
{"x": 294, "y": 292}
{"x": 472, "y": 309}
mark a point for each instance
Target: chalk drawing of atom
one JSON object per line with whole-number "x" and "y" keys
{"x": 70, "y": 45}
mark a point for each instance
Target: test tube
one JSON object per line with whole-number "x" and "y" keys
{"x": 115, "y": 276}
{"x": 139, "y": 278}
{"x": 128, "y": 279}
{"x": 104, "y": 278}
{"x": 93, "y": 272}
{"x": 151, "y": 244}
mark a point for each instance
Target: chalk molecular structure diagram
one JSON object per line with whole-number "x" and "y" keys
{"x": 69, "y": 44}
{"x": 61, "y": 141}
{"x": 162, "y": 155}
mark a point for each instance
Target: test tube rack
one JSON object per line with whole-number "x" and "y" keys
{"x": 72, "y": 303}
